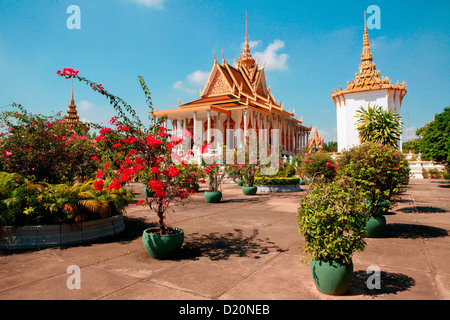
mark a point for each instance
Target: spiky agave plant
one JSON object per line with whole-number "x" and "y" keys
{"x": 380, "y": 126}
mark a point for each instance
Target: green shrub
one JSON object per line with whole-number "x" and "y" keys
{"x": 332, "y": 219}
{"x": 46, "y": 148}
{"x": 446, "y": 176}
{"x": 23, "y": 202}
{"x": 379, "y": 172}
{"x": 319, "y": 164}
{"x": 264, "y": 180}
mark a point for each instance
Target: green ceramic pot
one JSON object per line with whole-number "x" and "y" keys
{"x": 240, "y": 182}
{"x": 375, "y": 226}
{"x": 331, "y": 277}
{"x": 213, "y": 196}
{"x": 149, "y": 193}
{"x": 162, "y": 246}
{"x": 249, "y": 191}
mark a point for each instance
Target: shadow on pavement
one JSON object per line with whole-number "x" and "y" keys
{"x": 217, "y": 246}
{"x": 390, "y": 283}
{"x": 412, "y": 231}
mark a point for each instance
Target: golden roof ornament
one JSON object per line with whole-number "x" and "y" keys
{"x": 246, "y": 58}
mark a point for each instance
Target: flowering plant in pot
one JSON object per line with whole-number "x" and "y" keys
{"x": 147, "y": 155}
{"x": 215, "y": 174}
{"x": 380, "y": 173}
{"x": 332, "y": 219}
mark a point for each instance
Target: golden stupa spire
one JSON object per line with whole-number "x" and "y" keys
{"x": 246, "y": 58}
{"x": 72, "y": 114}
{"x": 366, "y": 56}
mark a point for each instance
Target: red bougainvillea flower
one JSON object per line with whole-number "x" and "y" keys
{"x": 67, "y": 73}
{"x": 98, "y": 185}
{"x": 152, "y": 141}
{"x": 100, "y": 174}
{"x": 115, "y": 185}
{"x": 173, "y": 171}
{"x": 105, "y": 131}
{"x": 175, "y": 140}
{"x": 140, "y": 202}
{"x": 94, "y": 158}
{"x": 205, "y": 147}
{"x": 113, "y": 120}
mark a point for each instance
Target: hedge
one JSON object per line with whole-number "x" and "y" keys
{"x": 276, "y": 181}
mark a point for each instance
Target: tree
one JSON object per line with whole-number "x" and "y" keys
{"x": 379, "y": 126}
{"x": 435, "y": 143}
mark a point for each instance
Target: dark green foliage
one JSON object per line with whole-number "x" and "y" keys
{"x": 332, "y": 219}
{"x": 435, "y": 142}
{"x": 379, "y": 172}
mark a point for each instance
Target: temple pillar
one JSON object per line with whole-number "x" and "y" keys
{"x": 208, "y": 132}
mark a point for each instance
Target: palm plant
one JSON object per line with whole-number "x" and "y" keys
{"x": 379, "y": 126}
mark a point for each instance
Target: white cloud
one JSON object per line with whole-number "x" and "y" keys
{"x": 274, "y": 60}
{"x": 84, "y": 105}
{"x": 158, "y": 4}
{"x": 198, "y": 77}
{"x": 253, "y": 44}
{"x": 193, "y": 82}
{"x": 326, "y": 135}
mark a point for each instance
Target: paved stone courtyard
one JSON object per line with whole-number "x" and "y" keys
{"x": 245, "y": 248}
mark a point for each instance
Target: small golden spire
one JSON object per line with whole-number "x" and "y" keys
{"x": 366, "y": 35}
{"x": 246, "y": 58}
{"x": 366, "y": 56}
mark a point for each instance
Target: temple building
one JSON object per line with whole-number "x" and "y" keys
{"x": 368, "y": 88}
{"x": 72, "y": 117}
{"x": 237, "y": 97}
{"x": 72, "y": 114}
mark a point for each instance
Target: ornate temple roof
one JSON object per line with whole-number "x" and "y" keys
{"x": 235, "y": 87}
{"x": 368, "y": 78}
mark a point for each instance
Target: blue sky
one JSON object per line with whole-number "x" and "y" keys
{"x": 311, "y": 47}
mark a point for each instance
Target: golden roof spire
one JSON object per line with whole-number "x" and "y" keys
{"x": 366, "y": 57}
{"x": 246, "y": 58}
{"x": 366, "y": 35}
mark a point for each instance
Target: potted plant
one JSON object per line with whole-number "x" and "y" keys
{"x": 380, "y": 173}
{"x": 215, "y": 175}
{"x": 147, "y": 154}
{"x": 332, "y": 221}
{"x": 249, "y": 172}
{"x": 235, "y": 173}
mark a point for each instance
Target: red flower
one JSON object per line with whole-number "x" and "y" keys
{"x": 152, "y": 141}
{"x": 155, "y": 170}
{"x": 100, "y": 174}
{"x": 173, "y": 171}
{"x": 140, "y": 202}
{"x": 105, "y": 130}
{"x": 130, "y": 140}
{"x": 113, "y": 120}
{"x": 94, "y": 158}
{"x": 205, "y": 147}
{"x": 98, "y": 185}
{"x": 115, "y": 185}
